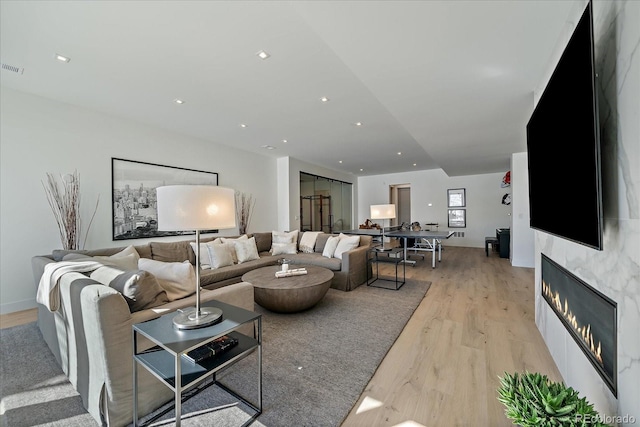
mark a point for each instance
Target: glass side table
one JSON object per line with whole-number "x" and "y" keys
{"x": 392, "y": 256}
{"x": 167, "y": 362}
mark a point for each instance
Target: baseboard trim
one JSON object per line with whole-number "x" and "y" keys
{"x": 12, "y": 307}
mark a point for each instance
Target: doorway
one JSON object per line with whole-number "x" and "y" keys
{"x": 400, "y": 195}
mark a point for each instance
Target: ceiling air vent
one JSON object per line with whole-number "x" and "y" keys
{"x": 12, "y": 68}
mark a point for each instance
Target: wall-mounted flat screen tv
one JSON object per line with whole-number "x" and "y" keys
{"x": 563, "y": 146}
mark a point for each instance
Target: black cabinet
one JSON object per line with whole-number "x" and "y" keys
{"x": 504, "y": 237}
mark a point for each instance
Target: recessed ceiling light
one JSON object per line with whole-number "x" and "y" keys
{"x": 284, "y": 141}
{"x": 268, "y": 147}
{"x": 358, "y": 123}
{"x": 361, "y": 169}
{"x": 62, "y": 58}
{"x": 324, "y": 99}
{"x": 415, "y": 164}
{"x": 399, "y": 153}
{"x": 339, "y": 161}
{"x": 178, "y": 101}
{"x": 242, "y": 125}
{"x": 263, "y": 55}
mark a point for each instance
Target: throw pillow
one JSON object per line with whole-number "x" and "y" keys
{"x": 246, "y": 250}
{"x": 283, "y": 248}
{"x": 229, "y": 242}
{"x": 284, "y": 237}
{"x": 330, "y": 246}
{"x": 308, "y": 241}
{"x": 205, "y": 260}
{"x": 346, "y": 244}
{"x": 178, "y": 279}
{"x": 139, "y": 288}
{"x": 235, "y": 239}
{"x": 219, "y": 255}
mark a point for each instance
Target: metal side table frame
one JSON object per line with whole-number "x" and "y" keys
{"x": 166, "y": 362}
{"x": 394, "y": 256}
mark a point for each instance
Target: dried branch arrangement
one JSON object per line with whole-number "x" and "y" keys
{"x": 64, "y": 199}
{"x": 244, "y": 210}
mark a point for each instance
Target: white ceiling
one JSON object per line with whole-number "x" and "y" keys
{"x": 449, "y": 84}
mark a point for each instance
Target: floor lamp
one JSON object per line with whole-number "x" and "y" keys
{"x": 196, "y": 208}
{"x": 383, "y": 212}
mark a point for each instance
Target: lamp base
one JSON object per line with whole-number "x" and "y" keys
{"x": 189, "y": 318}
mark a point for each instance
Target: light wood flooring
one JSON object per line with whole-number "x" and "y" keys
{"x": 476, "y": 322}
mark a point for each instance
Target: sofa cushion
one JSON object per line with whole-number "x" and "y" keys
{"x": 75, "y": 256}
{"x": 333, "y": 264}
{"x": 139, "y": 288}
{"x": 208, "y": 277}
{"x": 321, "y": 241}
{"x": 123, "y": 258}
{"x": 171, "y": 251}
{"x": 263, "y": 241}
{"x": 178, "y": 279}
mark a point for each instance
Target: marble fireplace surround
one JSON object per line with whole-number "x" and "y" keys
{"x": 614, "y": 271}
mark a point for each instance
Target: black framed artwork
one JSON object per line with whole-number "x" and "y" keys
{"x": 456, "y": 198}
{"x": 133, "y": 185}
{"x": 457, "y": 218}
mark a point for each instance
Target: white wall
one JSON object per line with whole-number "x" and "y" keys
{"x": 485, "y": 211}
{"x": 614, "y": 271}
{"x": 40, "y": 136}
{"x": 522, "y": 237}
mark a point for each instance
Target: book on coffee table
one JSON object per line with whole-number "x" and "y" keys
{"x": 215, "y": 347}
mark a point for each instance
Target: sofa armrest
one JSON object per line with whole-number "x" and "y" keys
{"x": 108, "y": 329}
{"x": 354, "y": 265}
{"x": 107, "y": 326}
{"x": 37, "y": 265}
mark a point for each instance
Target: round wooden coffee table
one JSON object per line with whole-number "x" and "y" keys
{"x": 289, "y": 294}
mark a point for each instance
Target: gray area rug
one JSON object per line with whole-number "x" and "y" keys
{"x": 315, "y": 366}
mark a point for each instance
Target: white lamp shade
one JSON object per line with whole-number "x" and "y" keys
{"x": 195, "y": 207}
{"x": 383, "y": 211}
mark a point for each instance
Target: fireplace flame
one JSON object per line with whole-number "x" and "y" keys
{"x": 583, "y": 331}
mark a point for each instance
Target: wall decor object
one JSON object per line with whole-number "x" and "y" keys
{"x": 506, "y": 199}
{"x": 244, "y": 208}
{"x": 506, "y": 180}
{"x": 457, "y": 218}
{"x": 133, "y": 185}
{"x": 64, "y": 199}
{"x": 456, "y": 198}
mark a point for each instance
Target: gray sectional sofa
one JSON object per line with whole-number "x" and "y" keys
{"x": 90, "y": 332}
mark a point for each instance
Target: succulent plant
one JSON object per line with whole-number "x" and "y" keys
{"x": 531, "y": 399}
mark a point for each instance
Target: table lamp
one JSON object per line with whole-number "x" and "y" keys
{"x": 383, "y": 212}
{"x": 196, "y": 208}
